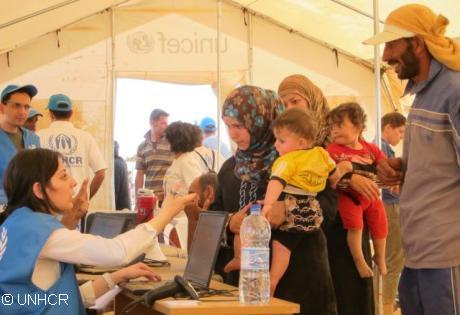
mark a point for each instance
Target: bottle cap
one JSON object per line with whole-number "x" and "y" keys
{"x": 255, "y": 208}
{"x": 145, "y": 192}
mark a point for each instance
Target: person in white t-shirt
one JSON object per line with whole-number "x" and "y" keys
{"x": 79, "y": 149}
{"x": 191, "y": 161}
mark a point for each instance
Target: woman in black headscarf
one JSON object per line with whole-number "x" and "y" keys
{"x": 248, "y": 112}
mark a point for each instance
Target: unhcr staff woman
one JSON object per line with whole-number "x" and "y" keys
{"x": 37, "y": 251}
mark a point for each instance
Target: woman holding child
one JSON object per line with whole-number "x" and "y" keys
{"x": 248, "y": 113}
{"x": 354, "y": 294}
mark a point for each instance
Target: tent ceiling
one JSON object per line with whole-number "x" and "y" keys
{"x": 29, "y": 20}
{"x": 333, "y": 23}
{"x": 324, "y": 20}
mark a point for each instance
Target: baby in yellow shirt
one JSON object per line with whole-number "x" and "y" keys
{"x": 297, "y": 176}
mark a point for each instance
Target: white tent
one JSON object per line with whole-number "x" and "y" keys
{"x": 79, "y": 47}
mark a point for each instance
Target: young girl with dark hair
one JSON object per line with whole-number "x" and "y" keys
{"x": 191, "y": 160}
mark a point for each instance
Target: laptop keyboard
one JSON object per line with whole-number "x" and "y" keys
{"x": 141, "y": 287}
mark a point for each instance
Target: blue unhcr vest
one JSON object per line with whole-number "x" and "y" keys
{"x": 8, "y": 150}
{"x": 22, "y": 237}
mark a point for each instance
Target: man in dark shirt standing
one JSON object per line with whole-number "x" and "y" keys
{"x": 122, "y": 192}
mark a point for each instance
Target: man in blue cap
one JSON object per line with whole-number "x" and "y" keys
{"x": 79, "y": 149}
{"x": 14, "y": 109}
{"x": 208, "y": 126}
{"x": 32, "y": 119}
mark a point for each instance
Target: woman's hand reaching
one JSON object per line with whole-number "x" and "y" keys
{"x": 80, "y": 207}
{"x": 172, "y": 205}
{"x": 176, "y": 203}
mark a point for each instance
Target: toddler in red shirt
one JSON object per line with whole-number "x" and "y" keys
{"x": 348, "y": 122}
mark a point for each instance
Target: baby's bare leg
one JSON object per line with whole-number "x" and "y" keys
{"x": 379, "y": 256}
{"x": 235, "y": 263}
{"x": 354, "y": 239}
{"x": 280, "y": 261}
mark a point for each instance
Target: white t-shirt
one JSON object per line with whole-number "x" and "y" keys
{"x": 189, "y": 166}
{"x": 80, "y": 151}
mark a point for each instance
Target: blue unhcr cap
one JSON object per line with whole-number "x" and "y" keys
{"x": 60, "y": 103}
{"x": 33, "y": 112}
{"x": 29, "y": 89}
{"x": 208, "y": 124}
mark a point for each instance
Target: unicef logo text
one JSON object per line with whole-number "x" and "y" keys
{"x": 159, "y": 42}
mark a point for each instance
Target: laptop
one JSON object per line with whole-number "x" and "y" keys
{"x": 107, "y": 226}
{"x": 202, "y": 255}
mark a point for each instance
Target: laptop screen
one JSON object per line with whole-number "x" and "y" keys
{"x": 205, "y": 246}
{"x": 107, "y": 226}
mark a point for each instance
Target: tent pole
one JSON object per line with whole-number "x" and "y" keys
{"x": 387, "y": 90}
{"x": 362, "y": 12}
{"x": 378, "y": 99}
{"x": 38, "y": 13}
{"x": 377, "y": 278}
{"x": 250, "y": 46}
{"x": 111, "y": 112}
{"x": 219, "y": 80}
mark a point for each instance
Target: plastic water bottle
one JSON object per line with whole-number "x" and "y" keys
{"x": 254, "y": 286}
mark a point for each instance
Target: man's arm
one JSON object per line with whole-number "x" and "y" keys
{"x": 139, "y": 182}
{"x": 390, "y": 171}
{"x": 96, "y": 182}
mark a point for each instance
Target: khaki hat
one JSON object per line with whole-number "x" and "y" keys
{"x": 389, "y": 33}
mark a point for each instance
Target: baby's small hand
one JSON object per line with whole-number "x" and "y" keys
{"x": 266, "y": 210}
